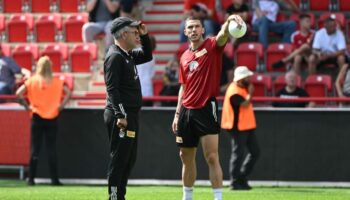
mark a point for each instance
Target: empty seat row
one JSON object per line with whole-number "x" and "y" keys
{"x": 47, "y": 28}
{"x": 42, "y": 6}
{"x": 80, "y": 58}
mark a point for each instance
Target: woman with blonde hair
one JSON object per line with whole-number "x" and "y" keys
{"x": 44, "y": 93}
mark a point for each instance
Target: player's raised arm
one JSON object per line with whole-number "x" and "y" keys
{"x": 223, "y": 35}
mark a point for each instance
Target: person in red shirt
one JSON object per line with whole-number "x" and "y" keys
{"x": 301, "y": 41}
{"x": 196, "y": 116}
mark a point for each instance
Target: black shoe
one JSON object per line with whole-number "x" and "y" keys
{"x": 245, "y": 184}
{"x": 30, "y": 182}
{"x": 240, "y": 185}
{"x": 56, "y": 183}
{"x": 278, "y": 64}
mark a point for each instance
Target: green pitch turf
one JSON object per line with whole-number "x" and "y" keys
{"x": 17, "y": 190}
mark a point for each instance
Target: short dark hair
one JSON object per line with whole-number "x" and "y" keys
{"x": 304, "y": 16}
{"x": 194, "y": 18}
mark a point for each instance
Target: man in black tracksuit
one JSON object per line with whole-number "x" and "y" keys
{"x": 124, "y": 99}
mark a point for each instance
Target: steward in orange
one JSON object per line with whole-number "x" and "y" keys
{"x": 239, "y": 120}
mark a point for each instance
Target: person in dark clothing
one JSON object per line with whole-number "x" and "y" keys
{"x": 238, "y": 7}
{"x": 171, "y": 85}
{"x": 292, "y": 91}
{"x": 124, "y": 99}
{"x": 238, "y": 119}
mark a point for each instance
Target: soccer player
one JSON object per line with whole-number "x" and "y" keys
{"x": 196, "y": 118}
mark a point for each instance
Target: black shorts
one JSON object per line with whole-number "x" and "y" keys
{"x": 195, "y": 123}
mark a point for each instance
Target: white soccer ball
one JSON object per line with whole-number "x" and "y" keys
{"x": 237, "y": 31}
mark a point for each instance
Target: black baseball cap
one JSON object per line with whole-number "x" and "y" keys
{"x": 122, "y": 22}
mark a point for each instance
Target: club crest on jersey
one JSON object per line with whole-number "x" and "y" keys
{"x": 193, "y": 65}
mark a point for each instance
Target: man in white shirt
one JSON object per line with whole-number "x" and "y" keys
{"x": 329, "y": 46}
{"x": 265, "y": 20}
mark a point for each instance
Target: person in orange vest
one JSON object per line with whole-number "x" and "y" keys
{"x": 44, "y": 92}
{"x": 239, "y": 120}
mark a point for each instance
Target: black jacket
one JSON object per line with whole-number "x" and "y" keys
{"x": 121, "y": 77}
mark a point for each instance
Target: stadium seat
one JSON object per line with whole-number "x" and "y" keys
{"x": 320, "y": 5}
{"x": 344, "y": 5}
{"x": 340, "y": 17}
{"x": 19, "y": 26}
{"x": 2, "y": 26}
{"x": 40, "y": 6}
{"x": 81, "y": 57}
{"x": 12, "y": 6}
{"x": 67, "y": 78}
{"x": 276, "y": 52}
{"x": 58, "y": 53}
{"x": 262, "y": 84}
{"x": 229, "y": 51}
{"x": 25, "y": 55}
{"x": 280, "y": 82}
{"x": 47, "y": 27}
{"x": 318, "y": 85}
{"x": 6, "y": 49}
{"x": 73, "y": 27}
{"x": 70, "y": 6}
{"x": 295, "y": 17}
{"x": 158, "y": 85}
{"x": 249, "y": 54}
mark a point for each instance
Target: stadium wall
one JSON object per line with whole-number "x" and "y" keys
{"x": 296, "y": 145}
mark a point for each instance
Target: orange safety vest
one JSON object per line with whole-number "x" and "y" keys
{"x": 246, "y": 113}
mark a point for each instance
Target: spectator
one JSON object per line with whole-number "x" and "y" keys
{"x": 329, "y": 47}
{"x": 301, "y": 41}
{"x": 8, "y": 70}
{"x": 146, "y": 73}
{"x": 127, "y": 7}
{"x": 44, "y": 93}
{"x": 292, "y": 91}
{"x": 226, "y": 73}
{"x": 343, "y": 81}
{"x": 264, "y": 20}
{"x": 200, "y": 10}
{"x": 171, "y": 84}
{"x": 101, "y": 14}
{"x": 238, "y": 7}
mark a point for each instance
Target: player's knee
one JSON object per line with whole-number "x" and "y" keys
{"x": 186, "y": 158}
{"x": 212, "y": 158}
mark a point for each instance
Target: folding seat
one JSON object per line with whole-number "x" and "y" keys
{"x": 47, "y": 27}
{"x": 6, "y": 49}
{"x": 340, "y": 18}
{"x": 318, "y": 85}
{"x": 262, "y": 84}
{"x": 344, "y": 5}
{"x": 58, "y": 54}
{"x": 2, "y": 27}
{"x": 229, "y": 51}
{"x": 12, "y": 6}
{"x": 69, "y": 6}
{"x": 320, "y": 5}
{"x": 249, "y": 54}
{"x": 41, "y": 6}
{"x": 82, "y": 56}
{"x": 73, "y": 27}
{"x": 67, "y": 78}
{"x": 25, "y": 55}
{"x": 19, "y": 27}
{"x": 295, "y": 17}
{"x": 280, "y": 82}
{"x": 276, "y": 52}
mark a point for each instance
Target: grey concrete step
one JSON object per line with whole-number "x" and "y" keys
{"x": 168, "y": 7}
{"x": 167, "y": 47}
{"x": 163, "y": 26}
{"x": 162, "y": 17}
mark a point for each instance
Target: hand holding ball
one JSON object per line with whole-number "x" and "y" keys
{"x": 237, "y": 30}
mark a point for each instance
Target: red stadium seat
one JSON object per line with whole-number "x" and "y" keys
{"x": 320, "y": 5}
{"x": 81, "y": 57}
{"x": 19, "y": 26}
{"x": 344, "y": 5}
{"x": 340, "y": 17}
{"x": 229, "y": 51}
{"x": 12, "y": 6}
{"x": 158, "y": 85}
{"x": 40, "y": 6}
{"x": 2, "y": 24}
{"x": 249, "y": 54}
{"x": 295, "y": 17}
{"x": 25, "y": 55}
{"x": 47, "y": 26}
{"x": 73, "y": 27}
{"x": 276, "y": 52}
{"x": 318, "y": 85}
{"x": 6, "y": 49}
{"x": 280, "y": 83}
{"x": 58, "y": 53}
{"x": 67, "y": 78}
{"x": 262, "y": 84}
{"x": 70, "y": 6}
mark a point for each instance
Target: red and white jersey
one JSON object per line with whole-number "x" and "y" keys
{"x": 299, "y": 39}
{"x": 200, "y": 71}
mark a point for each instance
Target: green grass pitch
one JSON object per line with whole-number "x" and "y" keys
{"x": 18, "y": 190}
